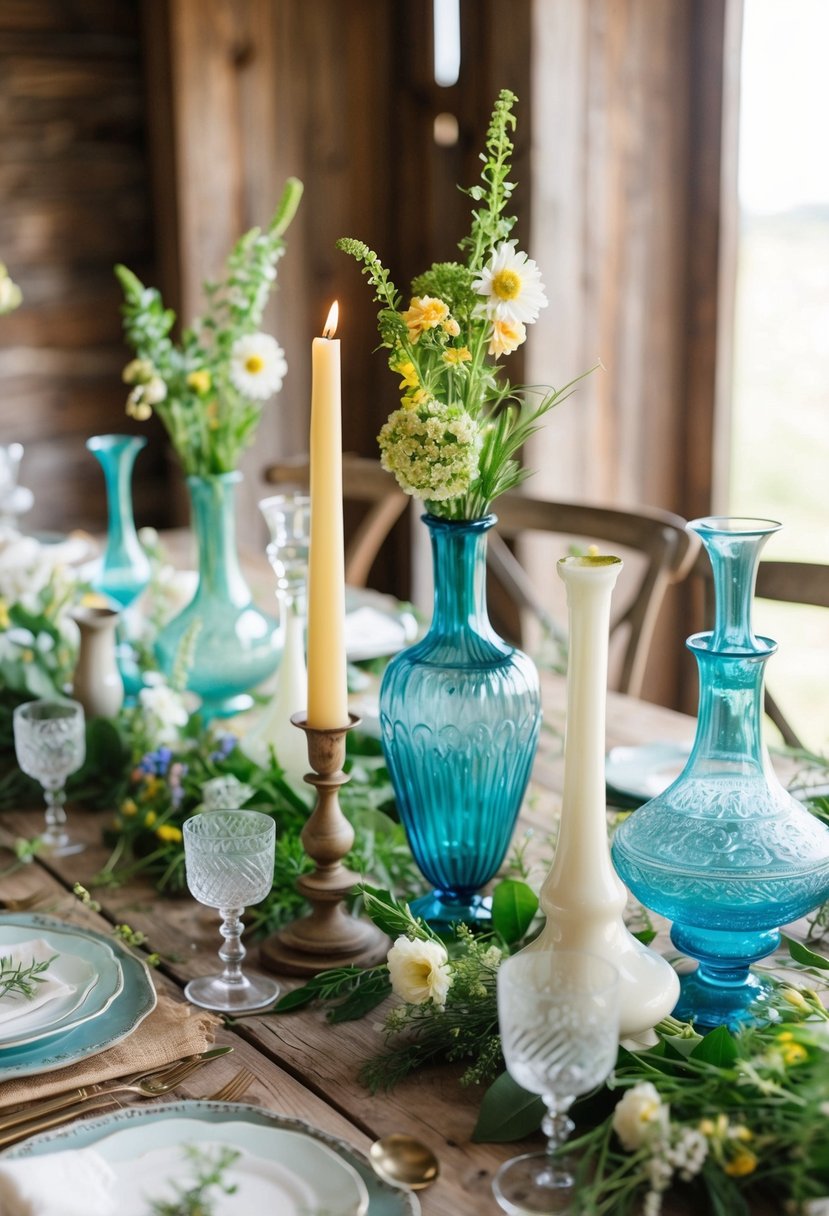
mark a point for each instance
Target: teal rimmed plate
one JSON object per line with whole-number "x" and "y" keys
{"x": 87, "y": 964}
{"x": 223, "y": 1122}
{"x": 135, "y": 1001}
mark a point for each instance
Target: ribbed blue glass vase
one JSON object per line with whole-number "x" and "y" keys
{"x": 233, "y": 645}
{"x": 460, "y": 713}
{"x": 125, "y": 570}
{"x": 725, "y": 852}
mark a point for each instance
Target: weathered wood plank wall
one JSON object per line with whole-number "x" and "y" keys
{"x": 73, "y": 200}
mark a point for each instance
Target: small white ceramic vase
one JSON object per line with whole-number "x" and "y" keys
{"x": 97, "y": 682}
{"x": 582, "y": 896}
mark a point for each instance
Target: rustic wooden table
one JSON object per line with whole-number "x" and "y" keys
{"x": 304, "y": 1067}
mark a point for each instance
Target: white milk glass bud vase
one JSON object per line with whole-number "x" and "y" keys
{"x": 582, "y": 896}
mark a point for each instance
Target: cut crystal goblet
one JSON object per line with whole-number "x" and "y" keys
{"x": 50, "y": 743}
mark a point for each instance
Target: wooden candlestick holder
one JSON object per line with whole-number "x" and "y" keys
{"x": 329, "y": 936}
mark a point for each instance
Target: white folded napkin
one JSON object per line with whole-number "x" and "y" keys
{"x": 14, "y": 1004}
{"x": 77, "y": 1182}
{"x": 366, "y": 629}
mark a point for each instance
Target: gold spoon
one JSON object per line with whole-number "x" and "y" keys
{"x": 404, "y": 1161}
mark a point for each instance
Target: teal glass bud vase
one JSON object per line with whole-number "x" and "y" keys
{"x": 725, "y": 852}
{"x": 460, "y": 713}
{"x": 124, "y": 570}
{"x": 221, "y": 639}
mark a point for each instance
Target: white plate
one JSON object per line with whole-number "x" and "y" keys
{"x": 132, "y": 1004}
{"x": 87, "y": 963}
{"x": 643, "y": 772}
{"x": 213, "y": 1117}
{"x": 280, "y": 1171}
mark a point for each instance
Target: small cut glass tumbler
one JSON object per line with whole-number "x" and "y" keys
{"x": 50, "y": 743}
{"x": 558, "y": 1013}
{"x": 228, "y": 859}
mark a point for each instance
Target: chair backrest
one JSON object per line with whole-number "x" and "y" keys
{"x": 666, "y": 548}
{"x": 364, "y": 481}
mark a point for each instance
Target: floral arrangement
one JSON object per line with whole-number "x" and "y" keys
{"x": 209, "y": 390}
{"x": 11, "y": 296}
{"x": 38, "y": 638}
{"x": 454, "y": 440}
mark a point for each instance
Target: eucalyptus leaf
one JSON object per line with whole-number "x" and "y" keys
{"x": 802, "y": 954}
{"x": 508, "y": 1112}
{"x": 717, "y": 1048}
{"x": 514, "y": 904}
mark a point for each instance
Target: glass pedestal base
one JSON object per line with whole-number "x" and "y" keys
{"x": 441, "y": 910}
{"x": 213, "y": 992}
{"x": 533, "y": 1184}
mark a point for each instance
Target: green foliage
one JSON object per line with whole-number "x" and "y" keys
{"x": 21, "y": 980}
{"x": 200, "y": 1196}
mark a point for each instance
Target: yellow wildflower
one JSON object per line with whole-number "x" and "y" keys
{"x": 5, "y": 619}
{"x": 149, "y": 819}
{"x": 128, "y": 807}
{"x": 413, "y": 401}
{"x": 785, "y": 1036}
{"x": 451, "y": 327}
{"x": 168, "y": 832}
{"x": 201, "y": 381}
{"x": 424, "y": 312}
{"x": 794, "y": 1053}
{"x": 407, "y": 370}
{"x": 744, "y": 1162}
{"x": 457, "y": 354}
{"x": 796, "y": 999}
{"x": 506, "y": 337}
{"x": 27, "y": 655}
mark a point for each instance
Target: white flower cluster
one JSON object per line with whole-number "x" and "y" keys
{"x": 642, "y": 1120}
{"x": 164, "y": 713}
{"x": 431, "y": 449}
{"x": 11, "y": 296}
{"x": 257, "y": 366}
{"x": 419, "y": 971}
{"x": 148, "y": 388}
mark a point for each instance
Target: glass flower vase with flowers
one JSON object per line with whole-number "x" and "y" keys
{"x": 460, "y": 711}
{"x": 209, "y": 391}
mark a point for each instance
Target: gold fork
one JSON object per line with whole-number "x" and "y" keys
{"x": 60, "y": 1110}
{"x": 235, "y": 1088}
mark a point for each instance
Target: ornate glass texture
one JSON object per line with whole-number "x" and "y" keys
{"x": 234, "y": 645}
{"x": 725, "y": 852}
{"x": 460, "y": 713}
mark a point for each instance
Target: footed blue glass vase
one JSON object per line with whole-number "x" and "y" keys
{"x": 725, "y": 852}
{"x": 227, "y": 645}
{"x": 460, "y": 713}
{"x": 125, "y": 570}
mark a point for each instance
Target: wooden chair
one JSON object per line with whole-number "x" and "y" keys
{"x": 791, "y": 583}
{"x": 364, "y": 481}
{"x": 667, "y": 552}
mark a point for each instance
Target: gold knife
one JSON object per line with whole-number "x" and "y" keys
{"x": 84, "y": 1093}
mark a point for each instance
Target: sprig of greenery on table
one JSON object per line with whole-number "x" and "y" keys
{"x": 199, "y": 1197}
{"x": 15, "y": 978}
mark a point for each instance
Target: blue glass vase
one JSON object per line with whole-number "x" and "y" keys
{"x": 227, "y": 644}
{"x": 460, "y": 713}
{"x": 125, "y": 570}
{"x": 725, "y": 852}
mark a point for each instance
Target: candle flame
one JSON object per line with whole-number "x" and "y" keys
{"x": 330, "y": 327}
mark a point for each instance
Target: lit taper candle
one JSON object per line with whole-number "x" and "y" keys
{"x": 327, "y": 689}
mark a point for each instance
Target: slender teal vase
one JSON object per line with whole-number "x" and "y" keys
{"x": 460, "y": 713}
{"x": 231, "y": 645}
{"x": 725, "y": 852}
{"x": 124, "y": 570}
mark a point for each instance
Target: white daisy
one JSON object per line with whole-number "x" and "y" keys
{"x": 512, "y": 286}
{"x": 257, "y": 366}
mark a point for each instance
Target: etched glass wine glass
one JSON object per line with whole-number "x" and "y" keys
{"x": 50, "y": 743}
{"x": 228, "y": 858}
{"x": 559, "y": 1018}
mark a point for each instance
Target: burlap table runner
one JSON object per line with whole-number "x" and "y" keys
{"x": 171, "y": 1031}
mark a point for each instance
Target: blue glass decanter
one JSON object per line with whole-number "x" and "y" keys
{"x": 460, "y": 713}
{"x": 231, "y": 646}
{"x": 725, "y": 852}
{"x": 125, "y": 569}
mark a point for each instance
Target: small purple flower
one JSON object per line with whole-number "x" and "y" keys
{"x": 155, "y": 764}
{"x": 225, "y": 744}
{"x": 176, "y": 775}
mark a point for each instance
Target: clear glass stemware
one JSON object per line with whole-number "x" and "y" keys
{"x": 50, "y": 743}
{"x": 228, "y": 859}
{"x": 559, "y": 1018}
